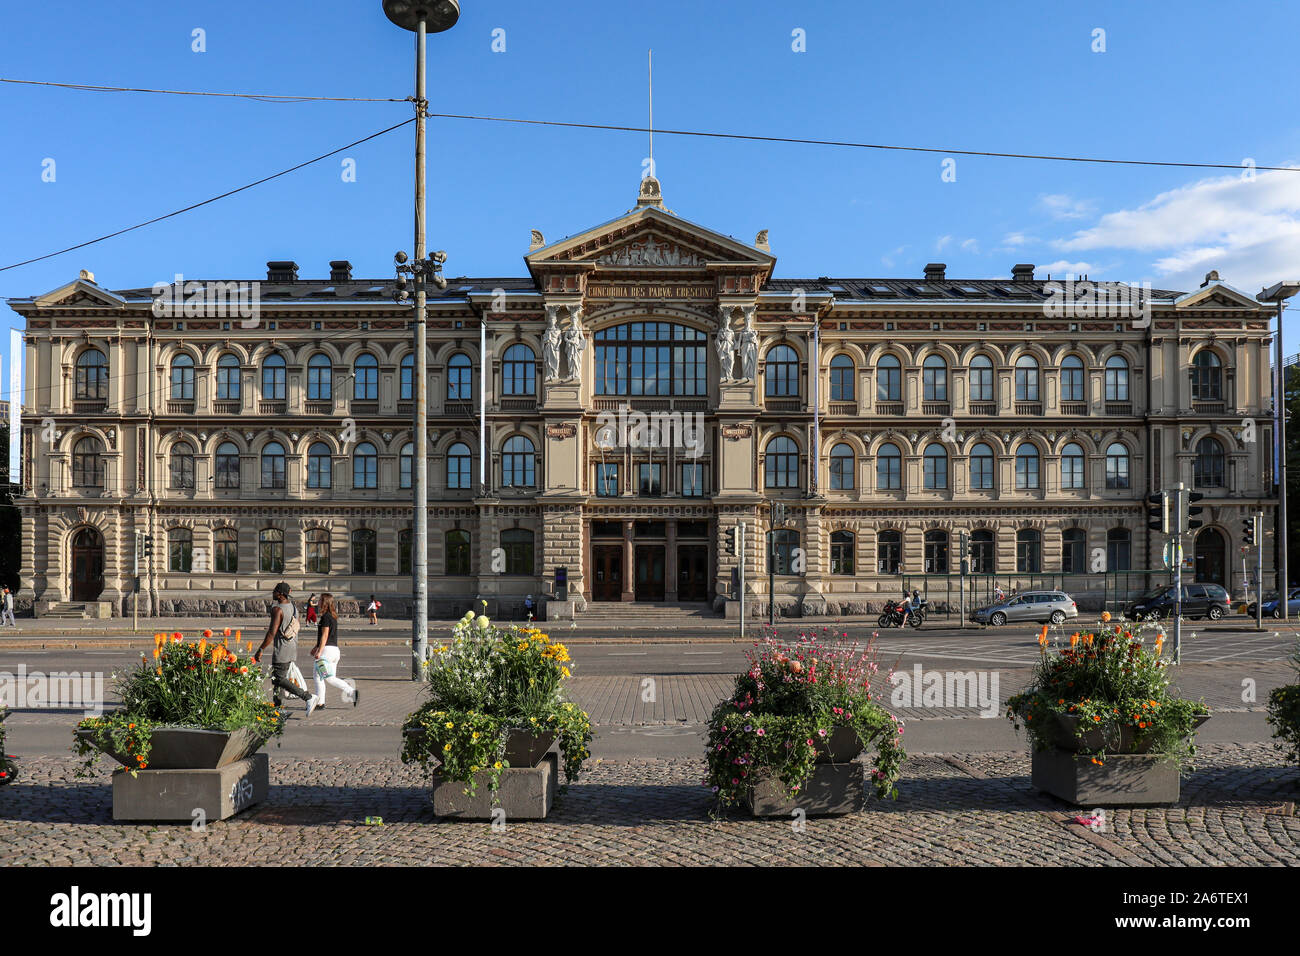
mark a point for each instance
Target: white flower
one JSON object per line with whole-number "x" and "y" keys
{"x": 482, "y": 622}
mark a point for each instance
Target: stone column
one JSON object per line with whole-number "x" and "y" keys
{"x": 629, "y": 561}
{"x": 670, "y": 561}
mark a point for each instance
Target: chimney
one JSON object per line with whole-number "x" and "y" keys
{"x": 1211, "y": 276}
{"x": 282, "y": 272}
{"x": 1022, "y": 272}
{"x": 340, "y": 270}
{"x": 934, "y": 272}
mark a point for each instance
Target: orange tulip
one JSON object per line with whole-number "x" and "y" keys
{"x": 1105, "y": 616}
{"x": 1074, "y": 640}
{"x": 207, "y": 632}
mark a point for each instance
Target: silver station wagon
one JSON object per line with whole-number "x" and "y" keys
{"x": 1044, "y": 607}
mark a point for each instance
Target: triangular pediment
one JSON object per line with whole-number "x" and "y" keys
{"x": 1217, "y": 295}
{"x": 79, "y": 293}
{"x": 649, "y": 238}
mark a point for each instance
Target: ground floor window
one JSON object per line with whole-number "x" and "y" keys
{"x": 841, "y": 552}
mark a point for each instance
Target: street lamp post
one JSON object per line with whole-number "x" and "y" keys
{"x": 1279, "y": 292}
{"x": 421, "y": 17}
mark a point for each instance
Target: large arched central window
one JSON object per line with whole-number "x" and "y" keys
{"x": 92, "y": 376}
{"x": 651, "y": 358}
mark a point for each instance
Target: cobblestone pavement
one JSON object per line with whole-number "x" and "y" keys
{"x": 1238, "y": 808}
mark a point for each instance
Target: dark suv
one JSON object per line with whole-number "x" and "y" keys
{"x": 1199, "y": 600}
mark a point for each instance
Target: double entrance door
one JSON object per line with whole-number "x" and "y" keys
{"x": 650, "y": 572}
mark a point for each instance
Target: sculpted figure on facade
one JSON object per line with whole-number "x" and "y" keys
{"x": 725, "y": 344}
{"x": 575, "y": 340}
{"x": 551, "y": 339}
{"x": 749, "y": 347}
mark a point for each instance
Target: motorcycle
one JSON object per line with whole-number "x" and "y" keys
{"x": 893, "y": 615}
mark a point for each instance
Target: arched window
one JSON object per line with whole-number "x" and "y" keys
{"x": 842, "y": 467}
{"x": 92, "y": 377}
{"x": 225, "y": 545}
{"x": 842, "y": 371}
{"x": 1116, "y": 379}
{"x": 981, "y": 467}
{"x": 181, "y": 467}
{"x": 365, "y": 466}
{"x": 88, "y": 463}
{"x": 1072, "y": 466}
{"x": 406, "y": 378}
{"x": 320, "y": 378}
{"x": 1118, "y": 549}
{"x": 1074, "y": 551}
{"x": 518, "y": 463}
{"x": 518, "y": 546}
{"x": 404, "y": 551}
{"x": 458, "y": 465}
{"x": 934, "y": 379}
{"x": 1117, "y": 465}
{"x": 273, "y": 387}
{"x": 273, "y": 465}
{"x": 460, "y": 378}
{"x": 1027, "y": 466}
{"x": 983, "y": 553}
{"x": 227, "y": 463}
{"x": 1208, "y": 466}
{"x": 365, "y": 551}
{"x": 889, "y": 552}
{"x": 228, "y": 385}
{"x": 182, "y": 379}
{"x": 1072, "y": 379}
{"x": 1207, "y": 377}
{"x": 781, "y": 463}
{"x": 1029, "y": 551}
{"x": 781, "y": 374}
{"x": 785, "y": 542}
{"x": 889, "y": 379}
{"x": 981, "y": 379}
{"x": 651, "y": 358}
{"x": 180, "y": 550}
{"x": 406, "y": 466}
{"x": 936, "y": 552}
{"x": 1026, "y": 379}
{"x": 318, "y": 551}
{"x": 519, "y": 371}
{"x": 270, "y": 551}
{"x": 320, "y": 466}
{"x": 456, "y": 549}
{"x": 889, "y": 468}
{"x": 936, "y": 467}
{"x": 365, "y": 378}
{"x": 842, "y": 544}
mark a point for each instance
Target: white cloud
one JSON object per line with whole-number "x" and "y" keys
{"x": 1060, "y": 206}
{"x": 970, "y": 245}
{"x": 943, "y": 241}
{"x": 1061, "y": 268}
{"x": 889, "y": 258}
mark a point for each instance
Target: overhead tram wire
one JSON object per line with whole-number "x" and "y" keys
{"x": 261, "y": 97}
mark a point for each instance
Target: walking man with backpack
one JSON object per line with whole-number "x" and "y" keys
{"x": 283, "y": 632}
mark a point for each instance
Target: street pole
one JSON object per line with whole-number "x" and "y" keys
{"x": 1180, "y": 504}
{"x": 961, "y": 570}
{"x": 1284, "y": 586}
{"x": 771, "y": 567}
{"x": 740, "y": 547}
{"x": 1259, "y": 571}
{"x": 135, "y": 575}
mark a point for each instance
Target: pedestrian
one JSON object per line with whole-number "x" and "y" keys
{"x": 999, "y": 595}
{"x": 283, "y": 631}
{"x": 311, "y": 609}
{"x": 528, "y": 607}
{"x": 373, "y": 609}
{"x": 7, "y": 617}
{"x": 326, "y": 653}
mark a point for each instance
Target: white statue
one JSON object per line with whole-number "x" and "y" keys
{"x": 725, "y": 343}
{"x": 551, "y": 345}
{"x": 574, "y": 342}
{"x": 748, "y": 348}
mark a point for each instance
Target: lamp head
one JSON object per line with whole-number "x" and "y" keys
{"x": 438, "y": 15}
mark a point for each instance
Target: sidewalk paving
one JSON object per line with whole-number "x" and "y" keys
{"x": 976, "y": 810}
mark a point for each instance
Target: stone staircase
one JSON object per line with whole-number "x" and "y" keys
{"x": 647, "y": 614}
{"x": 73, "y": 610}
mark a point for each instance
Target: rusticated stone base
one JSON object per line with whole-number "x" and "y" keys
{"x": 1122, "y": 780}
{"x": 832, "y": 790}
{"x": 173, "y": 796}
{"x": 526, "y": 793}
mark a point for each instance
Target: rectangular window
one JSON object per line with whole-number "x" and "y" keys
{"x": 692, "y": 480}
{"x": 606, "y": 480}
{"x": 649, "y": 481}
{"x": 227, "y": 555}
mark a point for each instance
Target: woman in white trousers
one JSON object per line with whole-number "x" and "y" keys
{"x": 326, "y": 653}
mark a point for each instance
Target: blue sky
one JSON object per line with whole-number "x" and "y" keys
{"x": 1183, "y": 81}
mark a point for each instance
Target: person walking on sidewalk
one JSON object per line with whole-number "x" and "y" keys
{"x": 326, "y": 653}
{"x": 311, "y": 609}
{"x": 373, "y": 609}
{"x": 8, "y": 610}
{"x": 283, "y": 631}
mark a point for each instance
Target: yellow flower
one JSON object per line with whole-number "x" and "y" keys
{"x": 497, "y": 765}
{"x": 446, "y": 747}
{"x": 474, "y": 736}
{"x": 450, "y": 725}
{"x": 564, "y": 671}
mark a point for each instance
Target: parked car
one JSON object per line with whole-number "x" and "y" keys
{"x": 1199, "y": 600}
{"x": 1044, "y": 607}
{"x": 1273, "y": 607}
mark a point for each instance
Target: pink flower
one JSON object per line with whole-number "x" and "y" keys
{"x": 761, "y": 732}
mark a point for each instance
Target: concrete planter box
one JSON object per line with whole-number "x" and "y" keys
{"x": 833, "y": 789}
{"x": 1123, "y": 780}
{"x": 187, "y": 748}
{"x": 523, "y": 747}
{"x": 175, "y": 795}
{"x": 526, "y": 793}
{"x": 839, "y": 746}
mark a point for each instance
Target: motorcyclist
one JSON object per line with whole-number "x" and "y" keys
{"x": 907, "y": 606}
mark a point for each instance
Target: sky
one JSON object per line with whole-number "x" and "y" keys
{"x": 1185, "y": 81}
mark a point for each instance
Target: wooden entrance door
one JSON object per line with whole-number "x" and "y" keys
{"x": 87, "y": 565}
{"x": 649, "y": 572}
{"x": 692, "y": 572}
{"x": 607, "y": 582}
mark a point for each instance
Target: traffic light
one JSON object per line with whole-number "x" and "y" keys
{"x": 148, "y": 545}
{"x": 1189, "y": 519}
{"x": 1158, "y": 516}
{"x": 1248, "y": 533}
{"x": 731, "y": 540}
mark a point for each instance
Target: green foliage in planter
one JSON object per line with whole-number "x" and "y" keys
{"x": 791, "y": 698}
{"x": 1284, "y": 714}
{"x": 1108, "y": 680}
{"x": 199, "y": 684}
{"x": 485, "y": 682}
